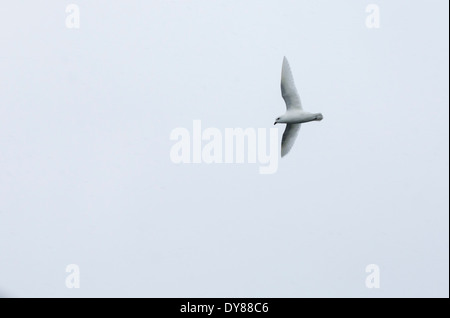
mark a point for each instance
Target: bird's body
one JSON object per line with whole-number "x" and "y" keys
{"x": 295, "y": 115}
{"x": 298, "y": 117}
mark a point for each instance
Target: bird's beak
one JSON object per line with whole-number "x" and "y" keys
{"x": 274, "y": 123}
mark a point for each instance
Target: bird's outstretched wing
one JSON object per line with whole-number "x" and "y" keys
{"x": 288, "y": 90}
{"x": 289, "y": 136}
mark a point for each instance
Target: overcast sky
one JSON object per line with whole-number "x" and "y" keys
{"x": 86, "y": 177}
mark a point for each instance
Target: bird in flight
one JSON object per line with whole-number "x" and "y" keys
{"x": 295, "y": 115}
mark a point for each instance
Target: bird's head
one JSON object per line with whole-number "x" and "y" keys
{"x": 278, "y": 120}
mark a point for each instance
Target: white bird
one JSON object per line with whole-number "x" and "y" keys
{"x": 295, "y": 115}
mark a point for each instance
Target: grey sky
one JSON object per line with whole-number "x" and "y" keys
{"x": 86, "y": 178}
